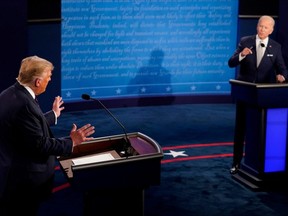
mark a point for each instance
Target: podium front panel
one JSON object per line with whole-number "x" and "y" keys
{"x": 276, "y": 140}
{"x": 139, "y": 170}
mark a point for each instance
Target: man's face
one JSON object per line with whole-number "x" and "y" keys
{"x": 264, "y": 28}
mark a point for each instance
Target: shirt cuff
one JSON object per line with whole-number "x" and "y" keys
{"x": 55, "y": 117}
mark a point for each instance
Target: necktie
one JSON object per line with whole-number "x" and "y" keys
{"x": 260, "y": 52}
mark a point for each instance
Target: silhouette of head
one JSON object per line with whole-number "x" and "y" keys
{"x": 156, "y": 57}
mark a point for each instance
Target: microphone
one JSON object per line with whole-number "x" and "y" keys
{"x": 262, "y": 44}
{"x": 127, "y": 144}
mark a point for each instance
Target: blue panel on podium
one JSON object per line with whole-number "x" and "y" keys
{"x": 276, "y": 136}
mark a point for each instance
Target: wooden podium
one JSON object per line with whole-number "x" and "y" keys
{"x": 113, "y": 182}
{"x": 264, "y": 165}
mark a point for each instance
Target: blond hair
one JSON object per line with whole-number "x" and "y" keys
{"x": 33, "y": 67}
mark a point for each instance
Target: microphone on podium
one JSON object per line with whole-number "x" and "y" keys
{"x": 127, "y": 144}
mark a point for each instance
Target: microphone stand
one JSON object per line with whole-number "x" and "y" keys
{"x": 127, "y": 143}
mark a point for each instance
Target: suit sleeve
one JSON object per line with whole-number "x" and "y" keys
{"x": 234, "y": 60}
{"x": 34, "y": 134}
{"x": 50, "y": 117}
{"x": 280, "y": 64}
{"x": 247, "y": 41}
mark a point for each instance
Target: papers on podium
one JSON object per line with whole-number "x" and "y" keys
{"x": 93, "y": 159}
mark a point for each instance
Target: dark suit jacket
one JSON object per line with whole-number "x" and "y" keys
{"x": 27, "y": 147}
{"x": 271, "y": 64}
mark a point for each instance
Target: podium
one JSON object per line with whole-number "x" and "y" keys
{"x": 264, "y": 165}
{"x": 112, "y": 181}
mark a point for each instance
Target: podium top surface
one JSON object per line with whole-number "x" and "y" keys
{"x": 259, "y": 85}
{"x": 270, "y": 95}
{"x": 100, "y": 166}
{"x": 146, "y": 148}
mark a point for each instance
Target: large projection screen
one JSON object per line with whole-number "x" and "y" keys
{"x": 124, "y": 49}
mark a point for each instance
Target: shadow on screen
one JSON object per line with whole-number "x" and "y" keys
{"x": 152, "y": 81}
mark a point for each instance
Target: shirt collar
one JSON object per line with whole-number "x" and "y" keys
{"x": 265, "y": 41}
{"x": 28, "y": 89}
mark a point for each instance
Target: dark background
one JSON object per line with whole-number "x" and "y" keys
{"x": 258, "y": 7}
{"x": 51, "y": 9}
{"x": 44, "y": 9}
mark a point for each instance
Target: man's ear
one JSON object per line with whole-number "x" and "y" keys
{"x": 37, "y": 82}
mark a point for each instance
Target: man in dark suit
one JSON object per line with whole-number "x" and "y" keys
{"x": 28, "y": 148}
{"x": 261, "y": 61}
